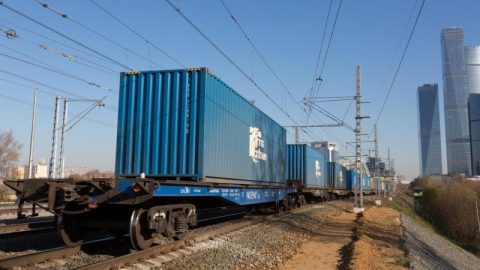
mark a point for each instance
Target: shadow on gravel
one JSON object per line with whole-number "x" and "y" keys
{"x": 38, "y": 241}
{"x": 346, "y": 252}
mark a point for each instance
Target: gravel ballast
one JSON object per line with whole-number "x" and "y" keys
{"x": 262, "y": 246}
{"x": 428, "y": 250}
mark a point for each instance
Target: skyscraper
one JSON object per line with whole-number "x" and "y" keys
{"x": 455, "y": 102}
{"x": 429, "y": 127}
{"x": 472, "y": 69}
{"x": 474, "y": 121}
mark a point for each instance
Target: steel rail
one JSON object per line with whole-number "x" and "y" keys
{"x": 29, "y": 226}
{"x": 28, "y": 259}
{"x": 146, "y": 254}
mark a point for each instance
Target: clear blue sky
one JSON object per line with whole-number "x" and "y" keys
{"x": 288, "y": 33}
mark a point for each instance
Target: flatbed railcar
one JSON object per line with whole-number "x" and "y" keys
{"x": 186, "y": 143}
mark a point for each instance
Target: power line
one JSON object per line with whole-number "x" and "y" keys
{"x": 40, "y": 83}
{"x": 258, "y": 52}
{"x": 315, "y": 78}
{"x": 264, "y": 61}
{"x": 56, "y": 70}
{"x": 63, "y": 44}
{"x": 400, "y": 63}
{"x": 48, "y": 108}
{"x": 64, "y": 36}
{"x": 230, "y": 60}
{"x": 47, "y": 86}
{"x": 313, "y": 91}
{"x": 328, "y": 47}
{"x": 65, "y": 16}
{"x": 26, "y": 86}
{"x": 136, "y": 33}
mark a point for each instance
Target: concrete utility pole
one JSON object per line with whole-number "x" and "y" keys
{"x": 61, "y": 164}
{"x": 53, "y": 159}
{"x": 377, "y": 172}
{"x": 297, "y": 134}
{"x": 358, "y": 207}
{"x": 32, "y": 137}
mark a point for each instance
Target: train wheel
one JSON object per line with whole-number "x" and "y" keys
{"x": 140, "y": 236}
{"x": 69, "y": 229}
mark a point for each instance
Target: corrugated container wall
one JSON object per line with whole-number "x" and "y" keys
{"x": 351, "y": 180}
{"x": 337, "y": 177}
{"x": 188, "y": 124}
{"x": 306, "y": 165}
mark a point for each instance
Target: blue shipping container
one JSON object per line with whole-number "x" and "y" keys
{"x": 351, "y": 180}
{"x": 306, "y": 165}
{"x": 337, "y": 175}
{"x": 188, "y": 124}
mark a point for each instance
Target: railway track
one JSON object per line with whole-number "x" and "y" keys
{"x": 26, "y": 228}
{"x": 152, "y": 253}
{"x": 49, "y": 254}
{"x": 406, "y": 199}
{"x": 6, "y": 209}
{"x": 156, "y": 254}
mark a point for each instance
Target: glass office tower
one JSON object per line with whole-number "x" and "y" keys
{"x": 455, "y": 102}
{"x": 474, "y": 121}
{"x": 472, "y": 79}
{"x": 472, "y": 69}
{"x": 429, "y": 129}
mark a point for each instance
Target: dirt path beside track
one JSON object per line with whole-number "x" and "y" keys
{"x": 350, "y": 241}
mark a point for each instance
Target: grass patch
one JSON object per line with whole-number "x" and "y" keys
{"x": 401, "y": 206}
{"x": 404, "y": 261}
{"x": 404, "y": 208}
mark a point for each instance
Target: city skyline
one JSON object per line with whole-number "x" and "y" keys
{"x": 289, "y": 37}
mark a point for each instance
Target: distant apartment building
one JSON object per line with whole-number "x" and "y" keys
{"x": 372, "y": 163}
{"x": 455, "y": 101}
{"x": 17, "y": 173}
{"x": 328, "y": 148}
{"x": 429, "y": 130}
{"x": 40, "y": 169}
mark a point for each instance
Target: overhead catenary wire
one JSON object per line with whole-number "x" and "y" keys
{"x": 289, "y": 92}
{"x": 249, "y": 78}
{"x": 328, "y": 49}
{"x": 40, "y": 83}
{"x": 68, "y": 56}
{"x": 229, "y": 59}
{"x": 259, "y": 53}
{"x": 28, "y": 87}
{"x": 137, "y": 33}
{"x": 59, "y": 71}
{"x": 318, "y": 80}
{"x": 62, "y": 44}
{"x": 48, "y": 108}
{"x": 64, "y": 36}
{"x": 65, "y": 16}
{"x": 315, "y": 78}
{"x": 399, "y": 64}
{"x": 68, "y": 93}
{"x": 79, "y": 117}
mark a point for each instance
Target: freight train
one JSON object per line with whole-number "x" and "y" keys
{"x": 187, "y": 142}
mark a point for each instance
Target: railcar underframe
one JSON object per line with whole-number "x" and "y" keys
{"x": 142, "y": 207}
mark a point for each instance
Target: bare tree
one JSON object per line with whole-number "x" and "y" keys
{"x": 9, "y": 152}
